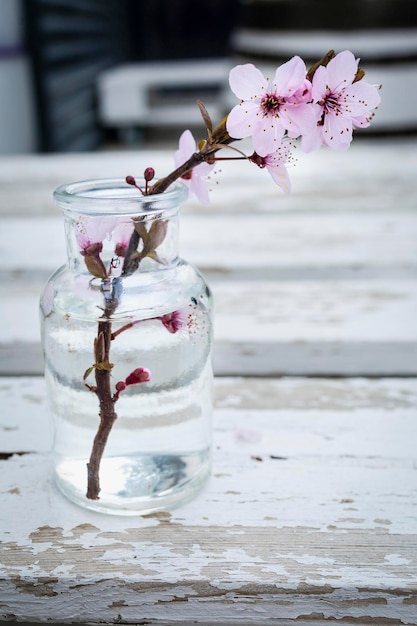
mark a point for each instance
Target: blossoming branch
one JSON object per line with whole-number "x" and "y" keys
{"x": 317, "y": 107}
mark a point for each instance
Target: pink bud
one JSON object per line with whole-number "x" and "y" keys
{"x": 149, "y": 174}
{"x": 120, "y": 386}
{"x": 139, "y": 375}
{"x": 130, "y": 180}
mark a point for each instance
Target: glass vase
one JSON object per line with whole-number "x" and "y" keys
{"x": 127, "y": 334}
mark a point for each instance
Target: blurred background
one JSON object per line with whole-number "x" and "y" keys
{"x": 82, "y": 75}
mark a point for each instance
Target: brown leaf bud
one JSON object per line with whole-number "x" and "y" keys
{"x": 157, "y": 234}
{"x": 95, "y": 266}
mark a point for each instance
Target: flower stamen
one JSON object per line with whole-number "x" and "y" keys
{"x": 271, "y": 104}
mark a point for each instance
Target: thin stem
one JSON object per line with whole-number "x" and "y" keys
{"x": 162, "y": 185}
{"x": 125, "y": 327}
{"x": 131, "y": 249}
{"x": 241, "y": 158}
{"x": 107, "y": 413}
{"x": 218, "y": 140}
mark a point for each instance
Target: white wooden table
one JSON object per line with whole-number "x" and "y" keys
{"x": 310, "y": 516}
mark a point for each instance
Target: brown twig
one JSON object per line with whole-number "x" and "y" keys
{"x": 107, "y": 413}
{"x": 217, "y": 139}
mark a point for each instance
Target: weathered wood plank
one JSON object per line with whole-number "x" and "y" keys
{"x": 352, "y": 230}
{"x": 373, "y": 174}
{"x": 269, "y": 328}
{"x": 309, "y": 516}
{"x": 323, "y": 294}
{"x": 292, "y": 243}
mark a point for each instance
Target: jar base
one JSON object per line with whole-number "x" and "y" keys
{"x": 136, "y": 484}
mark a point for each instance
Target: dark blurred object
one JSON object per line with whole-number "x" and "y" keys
{"x": 328, "y": 14}
{"x": 69, "y": 43}
{"x": 381, "y": 33}
{"x": 181, "y": 29}
{"x": 17, "y": 119}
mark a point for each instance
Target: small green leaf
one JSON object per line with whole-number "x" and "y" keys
{"x": 88, "y": 372}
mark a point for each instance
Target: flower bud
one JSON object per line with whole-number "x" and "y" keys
{"x": 139, "y": 375}
{"x": 149, "y": 174}
{"x": 131, "y": 181}
{"x": 120, "y": 386}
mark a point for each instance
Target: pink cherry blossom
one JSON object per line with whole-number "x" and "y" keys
{"x": 342, "y": 104}
{"x": 121, "y": 237}
{"x": 270, "y": 109}
{"x": 195, "y": 177}
{"x": 92, "y": 230}
{"x": 275, "y": 164}
{"x": 174, "y": 321}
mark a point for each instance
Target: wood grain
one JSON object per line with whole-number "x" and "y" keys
{"x": 309, "y": 516}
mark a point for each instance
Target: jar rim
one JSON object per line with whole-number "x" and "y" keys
{"x": 99, "y": 196}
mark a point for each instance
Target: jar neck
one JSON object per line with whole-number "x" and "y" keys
{"x": 113, "y": 245}
{"x": 112, "y": 230}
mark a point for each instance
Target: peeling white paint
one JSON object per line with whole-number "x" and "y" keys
{"x": 396, "y": 559}
{"x": 315, "y": 521}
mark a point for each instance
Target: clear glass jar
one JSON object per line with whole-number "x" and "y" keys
{"x": 127, "y": 335}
